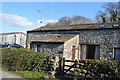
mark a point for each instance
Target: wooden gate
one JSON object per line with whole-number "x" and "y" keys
{"x": 69, "y": 69}
{"x": 86, "y": 69}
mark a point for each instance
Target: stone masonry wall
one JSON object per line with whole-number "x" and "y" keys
{"x": 107, "y": 44}
{"x": 34, "y": 36}
{"x": 50, "y": 48}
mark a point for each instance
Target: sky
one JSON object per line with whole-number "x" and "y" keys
{"x": 25, "y": 16}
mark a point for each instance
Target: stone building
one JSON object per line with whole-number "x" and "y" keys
{"x": 79, "y": 41}
{"x": 13, "y": 38}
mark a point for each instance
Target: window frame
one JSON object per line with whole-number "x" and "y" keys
{"x": 92, "y": 44}
{"x": 114, "y": 51}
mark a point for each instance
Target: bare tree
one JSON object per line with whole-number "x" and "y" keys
{"x": 74, "y": 20}
{"x": 119, "y": 10}
{"x": 110, "y": 12}
{"x": 71, "y": 20}
{"x": 65, "y": 20}
{"x": 102, "y": 17}
{"x": 80, "y": 19}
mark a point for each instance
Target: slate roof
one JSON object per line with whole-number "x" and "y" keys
{"x": 55, "y": 38}
{"x": 78, "y": 26}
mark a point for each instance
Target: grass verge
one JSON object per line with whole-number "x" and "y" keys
{"x": 30, "y": 75}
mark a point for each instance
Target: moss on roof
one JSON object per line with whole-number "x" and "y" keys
{"x": 77, "y": 26}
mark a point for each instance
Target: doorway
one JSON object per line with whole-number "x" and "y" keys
{"x": 73, "y": 52}
{"x": 93, "y": 52}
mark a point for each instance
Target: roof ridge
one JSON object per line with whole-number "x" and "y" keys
{"x": 76, "y": 26}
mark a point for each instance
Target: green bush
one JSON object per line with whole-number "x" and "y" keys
{"x": 23, "y": 59}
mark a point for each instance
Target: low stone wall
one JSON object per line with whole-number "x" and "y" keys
{"x": 52, "y": 66}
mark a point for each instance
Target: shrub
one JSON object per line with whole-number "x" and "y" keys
{"x": 99, "y": 69}
{"x": 23, "y": 59}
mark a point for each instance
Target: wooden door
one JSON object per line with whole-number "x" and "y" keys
{"x": 73, "y": 53}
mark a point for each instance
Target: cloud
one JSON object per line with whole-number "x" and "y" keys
{"x": 49, "y": 21}
{"x": 15, "y": 20}
{"x": 44, "y": 22}
{"x": 19, "y": 21}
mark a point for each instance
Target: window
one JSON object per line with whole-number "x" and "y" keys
{"x": 38, "y": 48}
{"x": 101, "y": 26}
{"x": 97, "y": 52}
{"x": 83, "y": 51}
{"x": 93, "y": 52}
{"x": 115, "y": 25}
{"x": 117, "y": 53}
{"x": 90, "y": 52}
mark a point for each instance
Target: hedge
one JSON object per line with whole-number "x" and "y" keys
{"x": 23, "y": 59}
{"x": 99, "y": 69}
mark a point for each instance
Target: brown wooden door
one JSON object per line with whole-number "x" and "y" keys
{"x": 73, "y": 53}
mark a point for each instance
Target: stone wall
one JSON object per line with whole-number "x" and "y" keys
{"x": 107, "y": 38}
{"x": 107, "y": 44}
{"x": 50, "y": 48}
{"x": 31, "y": 36}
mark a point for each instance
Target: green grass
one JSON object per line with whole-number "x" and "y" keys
{"x": 31, "y": 75}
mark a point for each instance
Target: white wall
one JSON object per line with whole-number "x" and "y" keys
{"x": 67, "y": 53}
{"x": 10, "y": 39}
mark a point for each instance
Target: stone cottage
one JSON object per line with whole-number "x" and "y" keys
{"x": 13, "y": 38}
{"x": 79, "y": 41}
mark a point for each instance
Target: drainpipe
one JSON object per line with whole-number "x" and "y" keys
{"x": 35, "y": 47}
{"x": 15, "y": 39}
{"x": 2, "y": 39}
{"x": 20, "y": 39}
{"x": 79, "y": 55}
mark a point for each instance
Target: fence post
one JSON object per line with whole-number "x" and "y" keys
{"x": 76, "y": 63}
{"x": 62, "y": 66}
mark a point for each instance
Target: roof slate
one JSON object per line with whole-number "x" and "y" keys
{"x": 78, "y": 26}
{"x": 55, "y": 38}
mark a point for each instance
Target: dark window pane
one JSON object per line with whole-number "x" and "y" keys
{"x": 117, "y": 53}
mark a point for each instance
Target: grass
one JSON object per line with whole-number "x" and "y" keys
{"x": 31, "y": 75}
